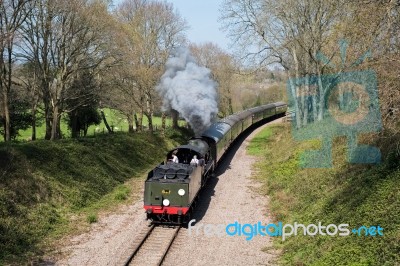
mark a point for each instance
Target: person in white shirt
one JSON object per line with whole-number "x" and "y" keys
{"x": 194, "y": 160}
{"x": 175, "y": 158}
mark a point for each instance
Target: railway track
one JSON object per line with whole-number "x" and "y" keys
{"x": 153, "y": 245}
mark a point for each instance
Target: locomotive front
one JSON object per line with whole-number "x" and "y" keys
{"x": 172, "y": 186}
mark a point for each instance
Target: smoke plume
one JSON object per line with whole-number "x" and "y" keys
{"x": 187, "y": 88}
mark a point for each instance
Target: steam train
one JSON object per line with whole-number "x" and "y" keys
{"x": 171, "y": 188}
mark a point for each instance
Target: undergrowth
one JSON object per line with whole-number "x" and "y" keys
{"x": 351, "y": 194}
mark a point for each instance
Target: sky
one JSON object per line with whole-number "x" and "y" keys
{"x": 202, "y": 18}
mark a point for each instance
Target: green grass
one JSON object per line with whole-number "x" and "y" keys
{"x": 92, "y": 218}
{"x": 260, "y": 142}
{"x": 354, "y": 194}
{"x": 114, "y": 118}
{"x": 52, "y": 188}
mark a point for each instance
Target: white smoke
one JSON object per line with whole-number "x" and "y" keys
{"x": 187, "y": 88}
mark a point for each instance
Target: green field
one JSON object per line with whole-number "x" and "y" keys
{"x": 114, "y": 118}
{"x": 358, "y": 195}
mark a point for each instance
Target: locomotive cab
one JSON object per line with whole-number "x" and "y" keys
{"x": 184, "y": 154}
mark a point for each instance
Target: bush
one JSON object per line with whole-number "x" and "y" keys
{"x": 91, "y": 218}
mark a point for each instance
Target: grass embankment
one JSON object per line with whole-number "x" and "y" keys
{"x": 50, "y": 188}
{"x": 351, "y": 194}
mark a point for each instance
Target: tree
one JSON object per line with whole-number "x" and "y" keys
{"x": 19, "y": 110}
{"x": 222, "y": 67}
{"x": 30, "y": 93}
{"x": 152, "y": 29}
{"x": 375, "y": 26}
{"x": 288, "y": 32}
{"x": 64, "y": 39}
{"x": 83, "y": 107}
{"x": 12, "y": 15}
{"x": 81, "y": 118}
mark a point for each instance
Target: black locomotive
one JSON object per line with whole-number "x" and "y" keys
{"x": 171, "y": 187}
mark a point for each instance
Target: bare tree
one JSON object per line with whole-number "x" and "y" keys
{"x": 375, "y": 25}
{"x": 223, "y": 68}
{"x": 26, "y": 77}
{"x": 152, "y": 29}
{"x": 287, "y": 32}
{"x": 12, "y": 15}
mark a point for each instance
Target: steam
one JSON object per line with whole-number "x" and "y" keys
{"x": 187, "y": 88}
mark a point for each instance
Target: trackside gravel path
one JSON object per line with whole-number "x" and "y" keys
{"x": 230, "y": 197}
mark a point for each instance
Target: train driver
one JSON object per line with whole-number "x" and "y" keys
{"x": 194, "y": 161}
{"x": 175, "y": 158}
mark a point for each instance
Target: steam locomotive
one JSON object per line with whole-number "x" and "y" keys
{"x": 171, "y": 188}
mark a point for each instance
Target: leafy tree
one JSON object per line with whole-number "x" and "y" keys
{"x": 82, "y": 118}
{"x": 19, "y": 115}
{"x": 83, "y": 104}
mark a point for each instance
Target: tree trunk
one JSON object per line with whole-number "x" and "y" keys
{"x": 58, "y": 131}
{"x": 321, "y": 90}
{"x": 314, "y": 106}
{"x": 55, "y": 122}
{"x": 7, "y": 124}
{"x": 47, "y": 112}
{"x": 174, "y": 116}
{"x": 74, "y": 125}
{"x": 136, "y": 121}
{"x": 130, "y": 123}
{"x": 33, "y": 137}
{"x": 6, "y": 93}
{"x": 305, "y": 96}
{"x": 103, "y": 116}
{"x": 230, "y": 106}
{"x": 294, "y": 90}
{"x": 140, "y": 121}
{"x": 149, "y": 113}
{"x": 150, "y": 120}
{"x": 163, "y": 120}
